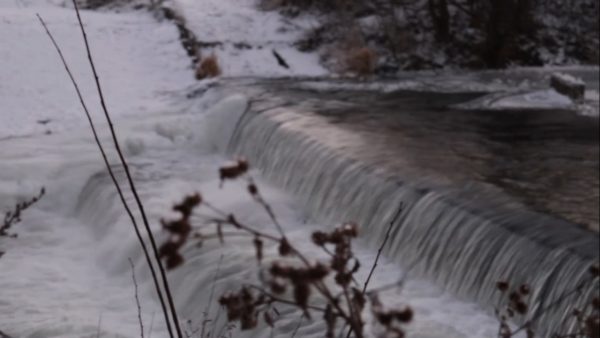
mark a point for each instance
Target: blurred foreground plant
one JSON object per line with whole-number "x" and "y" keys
{"x": 13, "y": 216}
{"x": 292, "y": 278}
{"x": 587, "y": 319}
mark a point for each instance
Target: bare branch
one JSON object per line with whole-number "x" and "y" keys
{"x": 137, "y": 299}
{"x": 386, "y": 238}
{"x": 99, "y": 326}
{"x": 129, "y": 177}
{"x": 13, "y": 217}
{"x": 210, "y": 298}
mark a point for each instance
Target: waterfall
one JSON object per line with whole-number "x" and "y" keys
{"x": 164, "y": 172}
{"x": 465, "y": 239}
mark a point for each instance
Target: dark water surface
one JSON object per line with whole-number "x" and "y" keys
{"x": 547, "y": 160}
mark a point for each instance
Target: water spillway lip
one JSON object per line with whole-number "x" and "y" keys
{"x": 545, "y": 230}
{"x": 309, "y": 130}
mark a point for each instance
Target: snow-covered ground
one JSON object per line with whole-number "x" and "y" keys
{"x": 139, "y": 60}
{"x": 246, "y": 36}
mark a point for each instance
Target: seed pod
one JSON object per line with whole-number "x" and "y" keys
{"x": 502, "y": 286}
{"x": 285, "y": 248}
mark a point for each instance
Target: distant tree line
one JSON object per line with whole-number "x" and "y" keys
{"x": 416, "y": 34}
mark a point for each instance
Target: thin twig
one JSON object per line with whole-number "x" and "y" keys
{"x": 376, "y": 262}
{"x": 99, "y": 326}
{"x": 210, "y": 298}
{"x": 386, "y": 238}
{"x": 260, "y": 200}
{"x": 13, "y": 217}
{"x": 137, "y": 298}
{"x": 320, "y": 286}
{"x": 298, "y": 326}
{"x": 136, "y": 196}
{"x": 282, "y": 300}
{"x": 113, "y": 178}
{"x": 151, "y": 325}
{"x": 396, "y": 285}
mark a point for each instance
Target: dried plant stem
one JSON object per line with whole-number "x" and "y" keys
{"x": 320, "y": 286}
{"x": 151, "y": 326}
{"x": 267, "y": 207}
{"x": 282, "y": 300}
{"x": 13, "y": 217}
{"x": 376, "y": 262}
{"x": 112, "y": 176}
{"x": 205, "y": 319}
{"x": 99, "y": 326}
{"x": 136, "y": 196}
{"x": 298, "y": 326}
{"x": 385, "y": 240}
{"x": 137, "y": 298}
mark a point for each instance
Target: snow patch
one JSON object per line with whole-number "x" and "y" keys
{"x": 568, "y": 78}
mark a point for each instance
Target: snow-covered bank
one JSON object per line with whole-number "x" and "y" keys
{"x": 243, "y": 37}
{"x": 139, "y": 60}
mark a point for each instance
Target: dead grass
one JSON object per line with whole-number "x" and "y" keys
{"x": 361, "y": 61}
{"x": 208, "y": 68}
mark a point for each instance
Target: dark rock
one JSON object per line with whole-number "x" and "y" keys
{"x": 568, "y": 86}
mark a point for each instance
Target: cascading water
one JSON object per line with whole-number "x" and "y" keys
{"x": 465, "y": 239}
{"x": 73, "y": 251}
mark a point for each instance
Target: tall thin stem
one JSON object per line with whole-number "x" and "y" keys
{"x": 136, "y": 196}
{"x": 113, "y": 177}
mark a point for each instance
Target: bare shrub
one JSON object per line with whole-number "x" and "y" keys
{"x": 208, "y": 68}
{"x": 13, "y": 217}
{"x": 361, "y": 61}
{"x": 291, "y": 278}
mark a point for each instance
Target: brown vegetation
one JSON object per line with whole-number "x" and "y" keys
{"x": 293, "y": 279}
{"x": 208, "y": 68}
{"x": 361, "y": 61}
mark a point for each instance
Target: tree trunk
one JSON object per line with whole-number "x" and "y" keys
{"x": 438, "y": 11}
